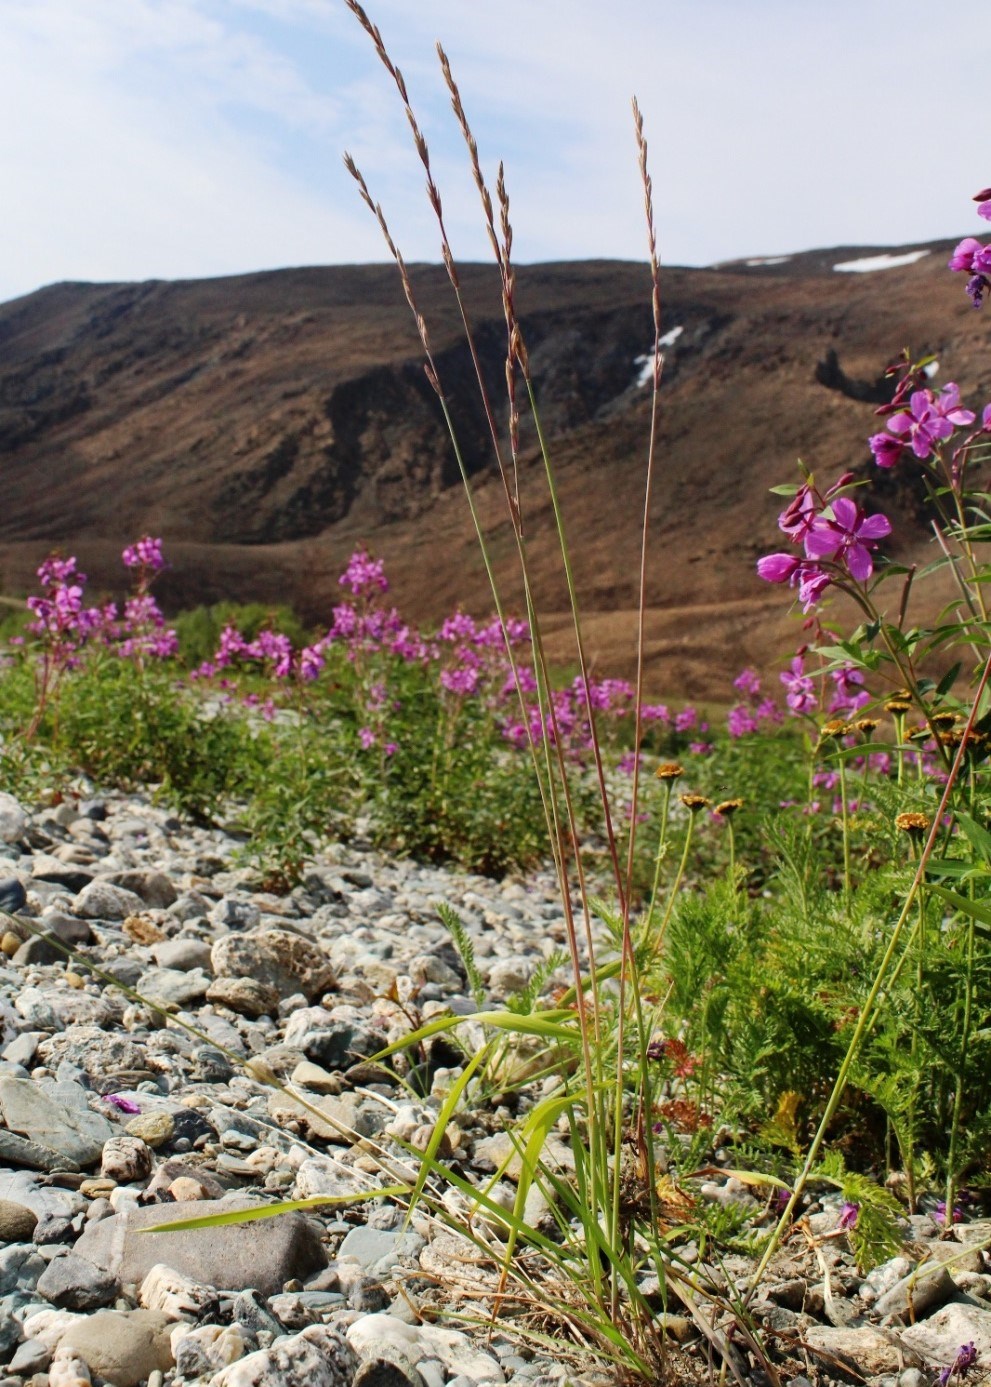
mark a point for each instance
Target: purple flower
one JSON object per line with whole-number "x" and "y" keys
{"x": 364, "y": 574}
{"x": 366, "y": 737}
{"x": 686, "y": 719}
{"x": 799, "y": 515}
{"x": 462, "y": 681}
{"x": 747, "y": 682}
{"x": 786, "y": 568}
{"x": 939, "y": 1216}
{"x": 849, "y": 1215}
{"x": 845, "y": 538}
{"x": 740, "y": 720}
{"x": 922, "y": 424}
{"x": 977, "y": 287}
{"x": 654, "y": 712}
{"x": 146, "y": 553}
{"x": 964, "y": 255}
{"x": 886, "y": 449}
{"x": 801, "y": 697}
{"x": 966, "y": 1357}
{"x": 123, "y": 1104}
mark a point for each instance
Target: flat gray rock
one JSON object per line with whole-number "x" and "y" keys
{"x": 72, "y": 1283}
{"x": 173, "y": 987}
{"x": 57, "y": 1117}
{"x": 263, "y": 1254}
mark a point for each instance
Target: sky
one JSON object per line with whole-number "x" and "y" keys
{"x": 183, "y": 138}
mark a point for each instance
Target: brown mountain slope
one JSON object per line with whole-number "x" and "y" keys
{"x": 265, "y": 423}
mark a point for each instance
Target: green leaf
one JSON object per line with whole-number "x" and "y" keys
{"x": 974, "y": 909}
{"x": 284, "y": 1206}
{"x": 978, "y": 837}
{"x": 948, "y": 680}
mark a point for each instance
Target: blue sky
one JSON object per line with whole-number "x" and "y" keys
{"x": 180, "y": 138}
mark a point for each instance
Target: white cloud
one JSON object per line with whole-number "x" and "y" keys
{"x": 183, "y": 137}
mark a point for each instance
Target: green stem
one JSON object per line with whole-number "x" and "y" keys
{"x": 867, "y": 1012}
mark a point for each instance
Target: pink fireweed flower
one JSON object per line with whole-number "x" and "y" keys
{"x": 847, "y": 538}
{"x": 463, "y": 680}
{"x": 747, "y": 682}
{"x": 364, "y": 574}
{"x": 922, "y": 425}
{"x": 887, "y": 449}
{"x": 800, "y": 513}
{"x": 801, "y": 696}
{"x": 812, "y": 581}
{"x": 146, "y": 553}
{"x": 966, "y": 255}
{"x": 654, "y": 712}
{"x": 366, "y": 737}
{"x": 311, "y": 661}
{"x": 740, "y": 721}
{"x": 459, "y": 627}
{"x": 686, "y": 719}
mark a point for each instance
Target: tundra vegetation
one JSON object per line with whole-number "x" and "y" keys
{"x": 779, "y": 931}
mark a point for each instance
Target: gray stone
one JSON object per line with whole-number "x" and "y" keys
{"x": 20, "y": 1267}
{"x": 246, "y": 996}
{"x": 154, "y": 887}
{"x": 12, "y": 896}
{"x": 233, "y": 914}
{"x": 169, "y": 987}
{"x": 283, "y": 961}
{"x": 17, "y": 1222}
{"x": 251, "y": 1311}
{"x": 869, "y": 1351}
{"x": 125, "y": 1348}
{"x": 101, "y": 900}
{"x": 917, "y": 1294}
{"x": 379, "y": 1250}
{"x": 13, "y": 819}
{"x": 317, "y": 1357}
{"x": 100, "y": 1054}
{"x": 59, "y": 1119}
{"x": 939, "y": 1337}
{"x": 72, "y": 1283}
{"x": 30, "y": 1357}
{"x": 263, "y": 1254}
{"x": 182, "y": 953}
{"x": 23, "y": 1187}
{"x": 331, "y": 1044}
{"x": 383, "y": 1372}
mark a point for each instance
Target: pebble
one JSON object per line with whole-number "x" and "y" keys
{"x": 116, "y": 1116}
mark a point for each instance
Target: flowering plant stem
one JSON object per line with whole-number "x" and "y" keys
{"x": 874, "y": 997}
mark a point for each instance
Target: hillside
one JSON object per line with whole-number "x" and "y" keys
{"x": 265, "y": 423}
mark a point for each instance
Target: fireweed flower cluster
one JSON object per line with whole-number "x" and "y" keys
{"x": 754, "y": 711}
{"x": 973, "y": 259}
{"x": 836, "y": 538}
{"x": 63, "y": 625}
{"x": 926, "y": 421}
{"x": 468, "y": 658}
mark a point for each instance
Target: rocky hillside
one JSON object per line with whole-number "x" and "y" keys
{"x": 265, "y": 423}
